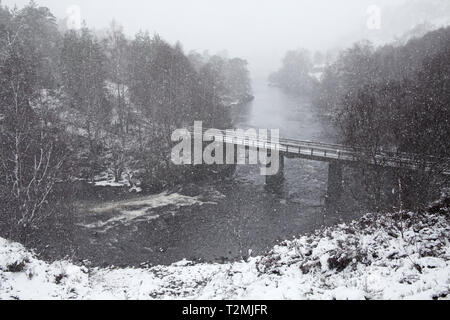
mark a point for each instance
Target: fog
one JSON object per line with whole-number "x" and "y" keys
{"x": 260, "y": 31}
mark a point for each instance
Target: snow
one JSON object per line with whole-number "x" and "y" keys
{"x": 110, "y": 183}
{"x": 316, "y": 75}
{"x": 381, "y": 256}
{"x": 121, "y": 184}
{"x": 107, "y": 179}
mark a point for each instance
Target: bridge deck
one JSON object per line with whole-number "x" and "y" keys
{"x": 324, "y": 151}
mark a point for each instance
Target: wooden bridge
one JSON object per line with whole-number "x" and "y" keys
{"x": 334, "y": 154}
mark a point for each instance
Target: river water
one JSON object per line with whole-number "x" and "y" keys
{"x": 226, "y": 220}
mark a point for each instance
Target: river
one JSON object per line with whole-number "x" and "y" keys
{"x": 226, "y": 220}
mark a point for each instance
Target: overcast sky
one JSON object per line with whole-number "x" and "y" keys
{"x": 260, "y": 31}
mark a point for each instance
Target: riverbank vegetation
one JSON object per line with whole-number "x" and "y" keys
{"x": 76, "y": 105}
{"x": 392, "y": 100}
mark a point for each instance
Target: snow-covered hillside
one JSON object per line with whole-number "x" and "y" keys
{"x": 381, "y": 256}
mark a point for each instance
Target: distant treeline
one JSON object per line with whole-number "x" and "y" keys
{"x": 296, "y": 74}
{"x": 74, "y": 105}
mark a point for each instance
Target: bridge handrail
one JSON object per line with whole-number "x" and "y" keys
{"x": 341, "y": 150}
{"x": 303, "y": 142}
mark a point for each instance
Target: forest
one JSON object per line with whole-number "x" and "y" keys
{"x": 75, "y": 105}
{"x": 391, "y": 99}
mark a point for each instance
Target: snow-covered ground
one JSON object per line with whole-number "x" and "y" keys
{"x": 106, "y": 179}
{"x": 381, "y": 256}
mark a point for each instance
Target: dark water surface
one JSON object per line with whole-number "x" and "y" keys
{"x": 225, "y": 220}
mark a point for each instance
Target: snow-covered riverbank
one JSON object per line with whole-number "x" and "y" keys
{"x": 389, "y": 256}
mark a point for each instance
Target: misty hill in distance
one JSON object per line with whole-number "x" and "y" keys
{"x": 400, "y": 21}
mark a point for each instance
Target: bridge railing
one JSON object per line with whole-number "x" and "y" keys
{"x": 328, "y": 150}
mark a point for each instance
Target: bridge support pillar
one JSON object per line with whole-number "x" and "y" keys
{"x": 335, "y": 189}
{"x": 276, "y": 181}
